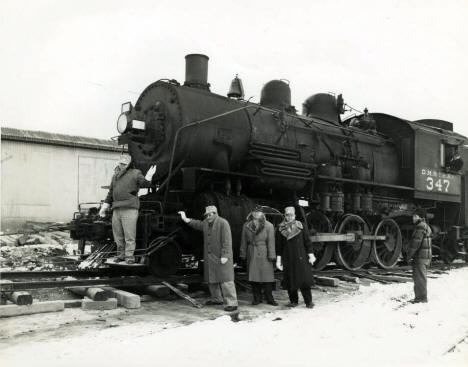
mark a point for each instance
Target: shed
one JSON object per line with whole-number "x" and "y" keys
{"x": 44, "y": 176}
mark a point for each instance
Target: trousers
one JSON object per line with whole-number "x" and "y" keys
{"x": 257, "y": 291}
{"x": 224, "y": 292}
{"x": 306, "y": 294}
{"x": 124, "y": 223}
{"x": 420, "y": 280}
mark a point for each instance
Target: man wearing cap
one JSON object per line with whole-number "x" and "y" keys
{"x": 295, "y": 258}
{"x": 258, "y": 248}
{"x": 420, "y": 252}
{"x": 217, "y": 256}
{"x": 123, "y": 196}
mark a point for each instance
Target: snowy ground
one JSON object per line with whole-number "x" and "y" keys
{"x": 373, "y": 327}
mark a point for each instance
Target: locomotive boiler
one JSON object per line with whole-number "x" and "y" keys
{"x": 355, "y": 182}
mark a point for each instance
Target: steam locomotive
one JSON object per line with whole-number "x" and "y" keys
{"x": 355, "y": 182}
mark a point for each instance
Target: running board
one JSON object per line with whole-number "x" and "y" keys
{"x": 345, "y": 237}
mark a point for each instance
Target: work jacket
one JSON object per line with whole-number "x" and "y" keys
{"x": 420, "y": 249}
{"x": 258, "y": 247}
{"x": 217, "y": 243}
{"x": 124, "y": 187}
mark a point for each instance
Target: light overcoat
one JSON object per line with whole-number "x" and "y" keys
{"x": 259, "y": 250}
{"x": 217, "y": 243}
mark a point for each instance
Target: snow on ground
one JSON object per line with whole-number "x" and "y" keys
{"x": 374, "y": 327}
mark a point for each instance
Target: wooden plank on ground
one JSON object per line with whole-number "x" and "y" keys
{"x": 183, "y": 295}
{"x": 330, "y": 282}
{"x": 39, "y": 307}
{"x": 124, "y": 298}
{"x": 159, "y": 290}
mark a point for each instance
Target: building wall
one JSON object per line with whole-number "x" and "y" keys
{"x": 43, "y": 182}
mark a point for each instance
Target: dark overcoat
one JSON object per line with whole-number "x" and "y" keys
{"x": 217, "y": 243}
{"x": 294, "y": 247}
{"x": 258, "y": 246}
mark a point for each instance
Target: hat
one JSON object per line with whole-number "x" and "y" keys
{"x": 420, "y": 212}
{"x": 289, "y": 210}
{"x": 211, "y": 209}
{"x": 125, "y": 159}
{"x": 258, "y": 208}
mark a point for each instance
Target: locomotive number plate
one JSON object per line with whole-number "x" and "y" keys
{"x": 436, "y": 181}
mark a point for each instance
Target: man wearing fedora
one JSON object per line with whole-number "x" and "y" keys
{"x": 420, "y": 253}
{"x": 123, "y": 196}
{"x": 217, "y": 256}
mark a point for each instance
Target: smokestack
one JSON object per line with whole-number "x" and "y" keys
{"x": 196, "y": 71}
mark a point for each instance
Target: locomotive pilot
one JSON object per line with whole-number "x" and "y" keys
{"x": 217, "y": 257}
{"x": 295, "y": 258}
{"x": 123, "y": 196}
{"x": 420, "y": 252}
{"x": 258, "y": 248}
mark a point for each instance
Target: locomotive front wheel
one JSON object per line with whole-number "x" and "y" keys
{"x": 386, "y": 253}
{"x": 352, "y": 255}
{"x": 165, "y": 261}
{"x": 322, "y": 251}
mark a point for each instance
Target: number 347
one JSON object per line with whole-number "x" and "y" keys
{"x": 440, "y": 184}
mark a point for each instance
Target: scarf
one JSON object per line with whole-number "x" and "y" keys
{"x": 291, "y": 229}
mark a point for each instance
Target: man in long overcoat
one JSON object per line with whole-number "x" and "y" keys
{"x": 217, "y": 256}
{"x": 420, "y": 252}
{"x": 295, "y": 258}
{"x": 258, "y": 248}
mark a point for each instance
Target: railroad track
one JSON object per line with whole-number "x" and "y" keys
{"x": 30, "y": 280}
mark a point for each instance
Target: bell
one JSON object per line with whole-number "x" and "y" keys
{"x": 236, "y": 90}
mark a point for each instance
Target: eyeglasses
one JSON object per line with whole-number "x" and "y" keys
{"x": 209, "y": 214}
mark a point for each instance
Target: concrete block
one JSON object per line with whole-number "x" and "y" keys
{"x": 89, "y": 304}
{"x": 39, "y": 307}
{"x": 125, "y": 299}
{"x": 72, "y": 303}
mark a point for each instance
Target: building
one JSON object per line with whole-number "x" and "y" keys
{"x": 44, "y": 176}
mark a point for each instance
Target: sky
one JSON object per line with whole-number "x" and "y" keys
{"x": 67, "y": 66}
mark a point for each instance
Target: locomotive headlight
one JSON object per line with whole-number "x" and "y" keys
{"x": 122, "y": 122}
{"x": 137, "y": 124}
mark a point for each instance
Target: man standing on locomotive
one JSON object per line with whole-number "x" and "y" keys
{"x": 217, "y": 257}
{"x": 420, "y": 252}
{"x": 123, "y": 196}
{"x": 258, "y": 248}
{"x": 294, "y": 254}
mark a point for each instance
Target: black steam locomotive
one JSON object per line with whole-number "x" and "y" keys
{"x": 355, "y": 182}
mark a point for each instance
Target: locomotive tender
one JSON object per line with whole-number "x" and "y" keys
{"x": 358, "y": 180}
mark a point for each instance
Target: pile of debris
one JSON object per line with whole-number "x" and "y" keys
{"x": 36, "y": 250}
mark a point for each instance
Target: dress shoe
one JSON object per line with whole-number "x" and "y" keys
{"x": 255, "y": 303}
{"x": 310, "y": 305}
{"x": 213, "y": 303}
{"x": 419, "y": 300}
{"x": 273, "y": 303}
{"x": 291, "y": 304}
{"x": 230, "y": 308}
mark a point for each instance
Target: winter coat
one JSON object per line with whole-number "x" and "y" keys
{"x": 420, "y": 249}
{"x": 217, "y": 243}
{"x": 124, "y": 187}
{"x": 258, "y": 246}
{"x": 294, "y": 247}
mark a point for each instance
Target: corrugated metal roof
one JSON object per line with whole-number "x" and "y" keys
{"x": 43, "y": 137}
